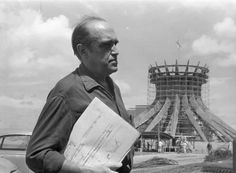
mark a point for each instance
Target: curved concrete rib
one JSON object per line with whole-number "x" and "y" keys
{"x": 216, "y": 119}
{"x": 172, "y": 126}
{"x": 200, "y": 102}
{"x": 205, "y": 117}
{"x": 225, "y": 127}
{"x": 190, "y": 114}
{"x": 146, "y": 115}
{"x": 160, "y": 115}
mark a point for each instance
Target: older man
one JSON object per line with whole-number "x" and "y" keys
{"x": 94, "y": 43}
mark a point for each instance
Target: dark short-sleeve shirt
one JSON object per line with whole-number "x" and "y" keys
{"x": 65, "y": 103}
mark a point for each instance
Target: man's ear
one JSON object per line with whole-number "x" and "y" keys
{"x": 81, "y": 49}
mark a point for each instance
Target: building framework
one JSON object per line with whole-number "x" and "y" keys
{"x": 177, "y": 93}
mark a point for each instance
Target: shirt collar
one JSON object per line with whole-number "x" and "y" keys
{"x": 88, "y": 82}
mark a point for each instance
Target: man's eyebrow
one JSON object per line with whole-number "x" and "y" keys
{"x": 116, "y": 41}
{"x": 111, "y": 41}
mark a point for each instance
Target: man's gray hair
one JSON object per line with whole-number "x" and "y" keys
{"x": 81, "y": 35}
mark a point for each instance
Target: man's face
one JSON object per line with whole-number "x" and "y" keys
{"x": 102, "y": 53}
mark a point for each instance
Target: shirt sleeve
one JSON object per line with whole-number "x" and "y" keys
{"x": 50, "y": 136}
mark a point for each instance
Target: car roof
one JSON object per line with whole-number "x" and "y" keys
{"x": 3, "y": 133}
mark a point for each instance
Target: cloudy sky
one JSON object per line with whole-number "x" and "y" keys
{"x": 35, "y": 49}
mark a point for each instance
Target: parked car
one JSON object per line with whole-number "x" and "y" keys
{"x": 13, "y": 148}
{"x": 7, "y": 167}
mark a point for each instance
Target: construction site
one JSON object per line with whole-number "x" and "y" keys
{"x": 178, "y": 108}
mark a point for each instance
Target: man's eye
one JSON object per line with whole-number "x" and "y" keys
{"x": 107, "y": 45}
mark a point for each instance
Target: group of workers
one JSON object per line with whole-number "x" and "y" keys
{"x": 181, "y": 144}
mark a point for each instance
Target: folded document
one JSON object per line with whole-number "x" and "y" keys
{"x": 100, "y": 136}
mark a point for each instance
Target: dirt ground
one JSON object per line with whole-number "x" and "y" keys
{"x": 187, "y": 163}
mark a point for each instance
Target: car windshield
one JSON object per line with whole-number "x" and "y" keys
{"x": 15, "y": 142}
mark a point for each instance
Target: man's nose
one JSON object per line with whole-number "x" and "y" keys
{"x": 114, "y": 50}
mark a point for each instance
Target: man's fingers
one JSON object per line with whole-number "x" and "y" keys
{"x": 113, "y": 171}
{"x": 113, "y": 165}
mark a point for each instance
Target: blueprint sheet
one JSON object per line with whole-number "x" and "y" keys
{"x": 100, "y": 136}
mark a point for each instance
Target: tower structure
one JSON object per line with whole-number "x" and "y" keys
{"x": 178, "y": 108}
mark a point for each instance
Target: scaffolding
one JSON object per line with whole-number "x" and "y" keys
{"x": 171, "y": 80}
{"x": 178, "y": 99}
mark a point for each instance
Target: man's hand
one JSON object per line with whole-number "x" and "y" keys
{"x": 113, "y": 165}
{"x": 107, "y": 168}
{"x": 70, "y": 167}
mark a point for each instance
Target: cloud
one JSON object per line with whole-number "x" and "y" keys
{"x": 31, "y": 44}
{"x": 91, "y": 5}
{"x": 21, "y": 102}
{"x": 206, "y": 45}
{"x": 220, "y": 44}
{"x": 124, "y": 87}
{"x": 34, "y": 51}
{"x": 22, "y": 83}
{"x": 212, "y": 4}
{"x": 226, "y": 28}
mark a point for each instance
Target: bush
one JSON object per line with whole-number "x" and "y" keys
{"x": 218, "y": 154}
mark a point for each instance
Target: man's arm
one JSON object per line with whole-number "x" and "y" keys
{"x": 50, "y": 136}
{"x": 49, "y": 139}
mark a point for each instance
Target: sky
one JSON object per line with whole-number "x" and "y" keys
{"x": 35, "y": 49}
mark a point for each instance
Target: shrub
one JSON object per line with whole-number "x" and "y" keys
{"x": 218, "y": 154}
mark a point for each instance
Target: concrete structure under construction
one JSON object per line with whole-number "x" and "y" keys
{"x": 178, "y": 108}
